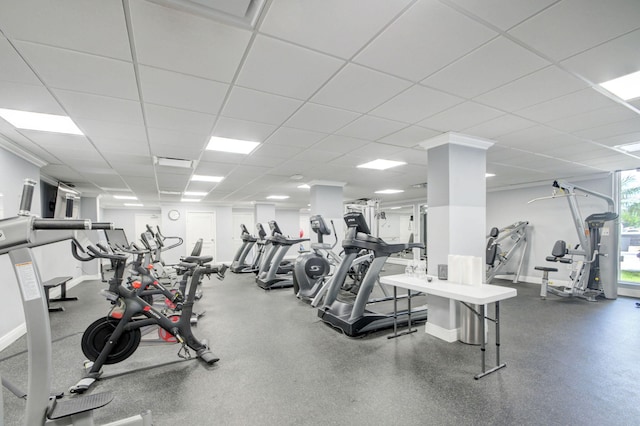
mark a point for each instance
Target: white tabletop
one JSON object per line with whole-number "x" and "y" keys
{"x": 479, "y": 295}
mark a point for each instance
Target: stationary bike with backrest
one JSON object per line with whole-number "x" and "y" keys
{"x": 311, "y": 270}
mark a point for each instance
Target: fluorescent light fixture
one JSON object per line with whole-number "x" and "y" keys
{"x": 235, "y": 146}
{"x": 394, "y": 208}
{"x": 191, "y": 200}
{"x": 195, "y": 193}
{"x": 42, "y": 122}
{"x": 277, "y": 197}
{"x": 203, "y": 178}
{"x": 489, "y": 175}
{"x": 170, "y": 192}
{"x": 390, "y": 191}
{"x": 625, "y": 87}
{"x": 125, "y": 197}
{"x": 133, "y": 204}
{"x": 304, "y": 186}
{"x": 381, "y": 164}
{"x": 174, "y": 162}
{"x": 630, "y": 147}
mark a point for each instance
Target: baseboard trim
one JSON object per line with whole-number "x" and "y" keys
{"x": 21, "y": 329}
{"x": 449, "y": 336}
{"x": 12, "y": 336}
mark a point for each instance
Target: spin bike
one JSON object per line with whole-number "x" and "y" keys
{"x": 115, "y": 337}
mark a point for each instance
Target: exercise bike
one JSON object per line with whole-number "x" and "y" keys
{"x": 115, "y": 337}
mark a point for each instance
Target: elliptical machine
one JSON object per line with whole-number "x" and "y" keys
{"x": 310, "y": 270}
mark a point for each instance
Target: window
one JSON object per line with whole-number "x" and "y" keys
{"x": 630, "y": 226}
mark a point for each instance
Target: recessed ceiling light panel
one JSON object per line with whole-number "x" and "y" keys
{"x": 630, "y": 147}
{"x": 235, "y": 146}
{"x": 195, "y": 193}
{"x": 42, "y": 122}
{"x": 133, "y": 205}
{"x": 125, "y": 197}
{"x": 277, "y": 197}
{"x": 190, "y": 200}
{"x": 304, "y": 186}
{"x": 626, "y": 87}
{"x": 390, "y": 191}
{"x": 380, "y": 164}
{"x": 203, "y": 178}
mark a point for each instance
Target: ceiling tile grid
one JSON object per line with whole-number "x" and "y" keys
{"x": 323, "y": 85}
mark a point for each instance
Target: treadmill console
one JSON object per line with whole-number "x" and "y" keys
{"x": 356, "y": 220}
{"x": 261, "y": 232}
{"x": 275, "y": 229}
{"x": 244, "y": 229}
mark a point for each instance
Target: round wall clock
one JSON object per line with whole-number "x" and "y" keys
{"x": 174, "y": 214}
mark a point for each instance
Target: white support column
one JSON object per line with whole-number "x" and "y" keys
{"x": 456, "y": 193}
{"x": 326, "y": 199}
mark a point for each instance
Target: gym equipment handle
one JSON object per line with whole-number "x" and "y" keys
{"x": 70, "y": 224}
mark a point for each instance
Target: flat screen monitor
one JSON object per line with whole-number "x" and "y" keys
{"x": 356, "y": 220}
{"x": 67, "y": 203}
{"x": 116, "y": 237}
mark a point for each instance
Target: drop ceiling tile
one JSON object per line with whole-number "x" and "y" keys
{"x": 163, "y": 140}
{"x": 211, "y": 168}
{"x": 320, "y": 118}
{"x": 107, "y": 181}
{"x": 104, "y": 129}
{"x": 341, "y": 144}
{"x": 492, "y": 65}
{"x": 610, "y": 130}
{"x": 590, "y": 119}
{"x": 58, "y": 140}
{"x": 113, "y": 148}
{"x": 499, "y": 126}
{"x": 139, "y": 170}
{"x": 12, "y": 138}
{"x": 609, "y": 60}
{"x": 359, "y": 89}
{"x": 461, "y": 116}
{"x": 93, "y": 27}
{"x": 541, "y": 86}
{"x": 271, "y": 150}
{"x": 269, "y": 161}
{"x": 81, "y": 72}
{"x": 251, "y": 105}
{"x": 313, "y": 156}
{"x": 572, "y": 26}
{"x": 622, "y": 139}
{"x": 162, "y": 117}
{"x": 241, "y": 129}
{"x": 572, "y": 104}
{"x": 295, "y": 137}
{"x": 536, "y": 139}
{"x": 275, "y": 66}
{"x": 371, "y": 128}
{"x": 183, "y": 42}
{"x": 374, "y": 150}
{"x": 96, "y": 107}
{"x": 406, "y": 48}
{"x": 181, "y": 91}
{"x": 416, "y": 104}
{"x": 337, "y": 27}
{"x": 413, "y": 157}
{"x": 14, "y": 69}
{"x": 141, "y": 184}
{"x": 504, "y": 13}
{"x": 62, "y": 172}
{"x": 409, "y": 136}
{"x": 27, "y": 97}
{"x": 222, "y": 157}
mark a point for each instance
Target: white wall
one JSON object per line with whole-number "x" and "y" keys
{"x": 289, "y": 223}
{"x": 125, "y": 219}
{"x": 13, "y": 171}
{"x": 549, "y": 220}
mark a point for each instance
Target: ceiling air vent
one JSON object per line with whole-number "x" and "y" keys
{"x": 174, "y": 162}
{"x": 243, "y": 13}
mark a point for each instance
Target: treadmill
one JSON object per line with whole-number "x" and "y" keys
{"x": 239, "y": 266}
{"x": 353, "y": 315}
{"x": 274, "y": 273}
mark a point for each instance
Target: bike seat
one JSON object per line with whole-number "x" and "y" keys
{"x": 197, "y": 259}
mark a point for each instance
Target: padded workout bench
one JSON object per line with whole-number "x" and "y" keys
{"x": 55, "y": 282}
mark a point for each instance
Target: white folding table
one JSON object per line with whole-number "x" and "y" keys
{"x": 466, "y": 294}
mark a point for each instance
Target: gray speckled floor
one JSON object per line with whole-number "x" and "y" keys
{"x": 569, "y": 362}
